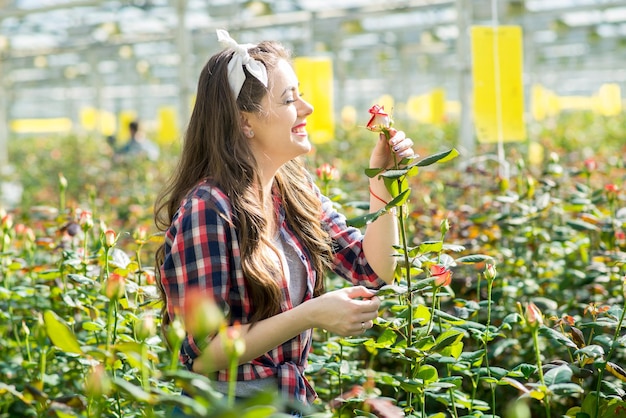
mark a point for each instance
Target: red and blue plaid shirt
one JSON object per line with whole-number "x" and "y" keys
{"x": 202, "y": 251}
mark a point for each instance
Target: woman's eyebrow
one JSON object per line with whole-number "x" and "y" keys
{"x": 287, "y": 90}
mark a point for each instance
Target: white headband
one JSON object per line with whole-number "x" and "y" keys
{"x": 236, "y": 75}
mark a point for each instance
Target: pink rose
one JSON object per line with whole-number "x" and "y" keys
{"x": 380, "y": 120}
{"x": 442, "y": 275}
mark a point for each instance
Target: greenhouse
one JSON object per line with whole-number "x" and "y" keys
{"x": 499, "y": 196}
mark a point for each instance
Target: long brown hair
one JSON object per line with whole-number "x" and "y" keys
{"x": 216, "y": 148}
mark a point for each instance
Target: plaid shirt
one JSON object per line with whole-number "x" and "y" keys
{"x": 202, "y": 251}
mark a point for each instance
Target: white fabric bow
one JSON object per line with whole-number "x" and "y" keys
{"x": 241, "y": 58}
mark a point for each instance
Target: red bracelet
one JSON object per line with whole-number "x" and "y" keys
{"x": 377, "y": 197}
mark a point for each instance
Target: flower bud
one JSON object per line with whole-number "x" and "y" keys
{"x": 590, "y": 165}
{"x": 444, "y": 226}
{"x": 145, "y": 327}
{"x": 115, "y": 286}
{"x": 234, "y": 344}
{"x": 327, "y": 172}
{"x": 202, "y": 316}
{"x": 62, "y": 182}
{"x": 534, "y": 317}
{"x": 490, "y": 272}
{"x": 140, "y": 234}
{"x": 380, "y": 120}
{"x": 6, "y": 222}
{"x": 86, "y": 220}
{"x": 175, "y": 332}
{"x": 97, "y": 382}
{"x": 109, "y": 238}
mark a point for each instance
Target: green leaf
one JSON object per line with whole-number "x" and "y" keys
{"x": 391, "y": 289}
{"x": 476, "y": 258}
{"x": 48, "y": 274}
{"x": 430, "y": 247}
{"x": 60, "y": 334}
{"x": 399, "y": 200}
{"x": 373, "y": 172}
{"x": 361, "y": 221}
{"x": 428, "y": 374}
{"x": 447, "y": 338}
{"x": 136, "y": 392}
{"x": 453, "y": 247}
{"x": 561, "y": 374}
{"x": 395, "y": 174}
{"x": 581, "y": 225}
{"x": 440, "y": 157}
{"x": 566, "y": 389}
{"x": 591, "y": 351}
{"x": 386, "y": 339}
{"x": 556, "y": 336}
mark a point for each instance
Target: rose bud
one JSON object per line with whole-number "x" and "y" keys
{"x": 490, "y": 272}
{"x": 145, "y": 327}
{"x": 533, "y": 315}
{"x": 109, "y": 238}
{"x": 98, "y": 382}
{"x": 202, "y": 317}
{"x": 115, "y": 286}
{"x": 380, "y": 120}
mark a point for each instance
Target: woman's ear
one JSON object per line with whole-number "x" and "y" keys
{"x": 245, "y": 126}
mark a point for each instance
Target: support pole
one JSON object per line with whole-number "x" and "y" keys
{"x": 183, "y": 43}
{"x": 466, "y": 129}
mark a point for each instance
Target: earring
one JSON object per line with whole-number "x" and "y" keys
{"x": 250, "y": 134}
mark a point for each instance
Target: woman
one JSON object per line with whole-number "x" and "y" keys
{"x": 245, "y": 224}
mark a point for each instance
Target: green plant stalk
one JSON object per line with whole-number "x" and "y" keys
{"x": 106, "y": 262}
{"x": 85, "y": 254}
{"x": 42, "y": 364}
{"x": 455, "y": 413}
{"x": 139, "y": 267}
{"x": 232, "y": 379}
{"x": 110, "y": 320}
{"x": 608, "y": 356}
{"x": 145, "y": 381}
{"x": 339, "y": 371}
{"x": 486, "y": 342}
{"x": 407, "y": 275}
{"x": 546, "y": 400}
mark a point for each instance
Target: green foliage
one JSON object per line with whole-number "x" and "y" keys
{"x": 470, "y": 347}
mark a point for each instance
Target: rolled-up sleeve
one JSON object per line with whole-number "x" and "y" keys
{"x": 349, "y": 258}
{"x": 197, "y": 258}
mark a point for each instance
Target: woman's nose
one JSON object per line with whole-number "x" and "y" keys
{"x": 306, "y": 108}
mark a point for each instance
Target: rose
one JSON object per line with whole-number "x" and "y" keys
{"x": 201, "y": 315}
{"x": 590, "y": 164}
{"x": 115, "y": 286}
{"x": 380, "y": 120}
{"x": 533, "y": 315}
{"x": 442, "y": 275}
{"x": 109, "y": 238}
{"x": 327, "y": 172}
{"x": 490, "y": 272}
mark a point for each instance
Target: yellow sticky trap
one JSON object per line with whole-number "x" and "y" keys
{"x": 167, "y": 125}
{"x": 105, "y": 122}
{"x": 610, "y": 99}
{"x": 418, "y": 107}
{"x": 438, "y": 103}
{"x": 498, "y": 88}
{"x": 31, "y": 126}
{"x": 125, "y": 117}
{"x": 89, "y": 118}
{"x": 316, "y": 83}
